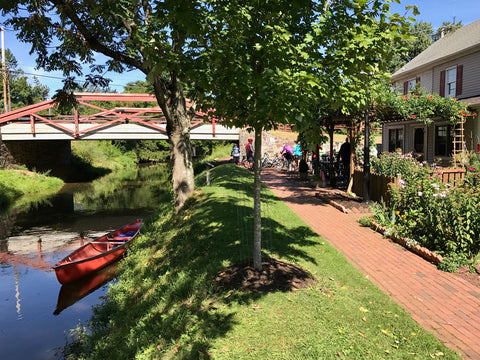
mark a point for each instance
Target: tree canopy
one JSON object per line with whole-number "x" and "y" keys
{"x": 158, "y": 38}
{"x": 268, "y": 64}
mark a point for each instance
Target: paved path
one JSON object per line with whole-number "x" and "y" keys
{"x": 442, "y": 303}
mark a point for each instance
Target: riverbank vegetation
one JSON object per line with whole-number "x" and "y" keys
{"x": 15, "y": 183}
{"x": 93, "y": 159}
{"x": 167, "y": 302}
{"x": 103, "y": 154}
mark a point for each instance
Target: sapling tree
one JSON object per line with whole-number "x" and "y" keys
{"x": 269, "y": 62}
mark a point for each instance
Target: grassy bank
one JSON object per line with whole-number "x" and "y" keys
{"x": 166, "y": 303}
{"x": 16, "y": 183}
{"x": 93, "y": 159}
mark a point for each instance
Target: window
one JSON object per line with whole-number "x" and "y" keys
{"x": 443, "y": 140}
{"x": 411, "y": 85}
{"x": 395, "y": 139}
{"x": 451, "y": 83}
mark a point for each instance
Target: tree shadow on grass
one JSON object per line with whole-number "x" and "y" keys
{"x": 169, "y": 301}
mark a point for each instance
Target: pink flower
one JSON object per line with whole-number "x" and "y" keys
{"x": 419, "y": 187}
{"x": 470, "y": 168}
{"x": 413, "y": 116}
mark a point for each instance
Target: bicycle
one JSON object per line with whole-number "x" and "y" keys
{"x": 269, "y": 162}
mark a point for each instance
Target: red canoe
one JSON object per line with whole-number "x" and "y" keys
{"x": 97, "y": 253}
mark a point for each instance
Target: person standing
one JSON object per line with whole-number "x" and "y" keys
{"x": 287, "y": 153}
{"x": 344, "y": 155}
{"x": 235, "y": 154}
{"x": 249, "y": 152}
{"x": 297, "y": 154}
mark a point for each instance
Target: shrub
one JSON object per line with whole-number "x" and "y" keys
{"x": 443, "y": 218}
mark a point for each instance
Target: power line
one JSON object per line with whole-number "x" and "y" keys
{"x": 21, "y": 72}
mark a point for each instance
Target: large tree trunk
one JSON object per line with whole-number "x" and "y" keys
{"x": 257, "y": 211}
{"x": 172, "y": 102}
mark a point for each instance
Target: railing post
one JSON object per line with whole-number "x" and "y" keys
{"x": 76, "y": 119}
{"x": 32, "y": 123}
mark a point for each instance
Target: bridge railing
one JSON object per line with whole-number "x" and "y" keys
{"x": 148, "y": 117}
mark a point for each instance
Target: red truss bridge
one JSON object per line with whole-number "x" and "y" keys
{"x": 35, "y": 122}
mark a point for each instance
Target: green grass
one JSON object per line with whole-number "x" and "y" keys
{"x": 166, "y": 305}
{"x": 103, "y": 155}
{"x": 15, "y": 184}
{"x": 219, "y": 152}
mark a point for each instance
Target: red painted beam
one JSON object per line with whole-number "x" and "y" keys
{"x": 115, "y": 97}
{"x": 26, "y": 111}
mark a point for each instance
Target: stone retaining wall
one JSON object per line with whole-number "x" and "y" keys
{"x": 272, "y": 144}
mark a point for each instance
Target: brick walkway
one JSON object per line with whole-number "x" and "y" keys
{"x": 442, "y": 303}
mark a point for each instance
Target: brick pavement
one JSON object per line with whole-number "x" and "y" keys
{"x": 442, "y": 303}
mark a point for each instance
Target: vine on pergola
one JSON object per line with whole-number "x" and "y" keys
{"x": 421, "y": 106}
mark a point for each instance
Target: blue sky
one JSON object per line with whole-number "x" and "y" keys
{"x": 438, "y": 11}
{"x": 433, "y": 11}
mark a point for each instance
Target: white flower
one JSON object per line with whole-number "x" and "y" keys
{"x": 402, "y": 181}
{"x": 443, "y": 194}
{"x": 420, "y": 193}
{"x": 435, "y": 195}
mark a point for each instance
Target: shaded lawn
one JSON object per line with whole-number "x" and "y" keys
{"x": 167, "y": 305}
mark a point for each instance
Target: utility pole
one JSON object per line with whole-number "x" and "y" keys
{"x": 4, "y": 72}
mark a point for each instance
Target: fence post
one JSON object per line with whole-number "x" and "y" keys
{"x": 207, "y": 167}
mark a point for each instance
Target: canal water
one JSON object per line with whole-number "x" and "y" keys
{"x": 36, "y": 311}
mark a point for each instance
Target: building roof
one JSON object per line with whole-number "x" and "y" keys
{"x": 463, "y": 40}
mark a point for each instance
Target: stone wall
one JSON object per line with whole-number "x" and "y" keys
{"x": 6, "y": 158}
{"x": 272, "y": 142}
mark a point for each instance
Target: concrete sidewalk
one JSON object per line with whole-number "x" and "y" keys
{"x": 442, "y": 303}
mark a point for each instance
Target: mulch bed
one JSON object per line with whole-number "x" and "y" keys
{"x": 342, "y": 201}
{"x": 465, "y": 274}
{"x": 276, "y": 275}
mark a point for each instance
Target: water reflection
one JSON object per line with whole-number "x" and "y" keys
{"x": 74, "y": 291}
{"x": 17, "y": 294}
{"x": 34, "y": 236}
